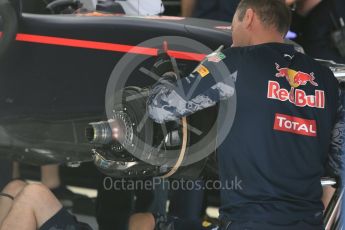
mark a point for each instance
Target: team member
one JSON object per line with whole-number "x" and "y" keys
{"x": 287, "y": 107}
{"x": 142, "y": 7}
{"x": 315, "y": 21}
{"x": 31, "y": 207}
{"x": 222, "y": 10}
{"x": 132, "y": 7}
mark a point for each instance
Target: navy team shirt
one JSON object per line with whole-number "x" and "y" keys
{"x": 287, "y": 130}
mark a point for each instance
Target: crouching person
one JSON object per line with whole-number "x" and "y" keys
{"x": 33, "y": 206}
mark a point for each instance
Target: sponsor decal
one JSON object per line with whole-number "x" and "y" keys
{"x": 203, "y": 71}
{"x": 295, "y": 125}
{"x": 296, "y": 96}
{"x": 216, "y": 57}
{"x": 295, "y": 78}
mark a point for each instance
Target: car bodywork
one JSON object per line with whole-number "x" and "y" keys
{"x": 54, "y": 77}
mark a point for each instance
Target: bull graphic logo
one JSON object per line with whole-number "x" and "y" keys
{"x": 295, "y": 78}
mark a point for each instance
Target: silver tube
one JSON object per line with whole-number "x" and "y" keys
{"x": 99, "y": 133}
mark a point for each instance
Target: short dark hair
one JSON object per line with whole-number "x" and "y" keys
{"x": 271, "y": 13}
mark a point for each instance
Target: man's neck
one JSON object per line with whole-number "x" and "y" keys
{"x": 268, "y": 37}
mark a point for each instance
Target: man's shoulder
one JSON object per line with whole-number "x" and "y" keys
{"x": 322, "y": 69}
{"x": 261, "y": 48}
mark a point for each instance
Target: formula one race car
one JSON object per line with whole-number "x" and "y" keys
{"x": 56, "y": 74}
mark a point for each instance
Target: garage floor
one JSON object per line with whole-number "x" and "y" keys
{"x": 92, "y": 193}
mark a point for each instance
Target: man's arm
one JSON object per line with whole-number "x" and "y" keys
{"x": 171, "y": 99}
{"x": 187, "y": 7}
{"x": 305, "y": 6}
{"x": 290, "y": 2}
{"x": 335, "y": 164}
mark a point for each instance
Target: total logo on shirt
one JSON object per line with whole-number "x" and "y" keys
{"x": 295, "y": 125}
{"x": 296, "y": 96}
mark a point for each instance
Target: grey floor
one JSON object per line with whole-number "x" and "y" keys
{"x": 211, "y": 211}
{"x": 90, "y": 220}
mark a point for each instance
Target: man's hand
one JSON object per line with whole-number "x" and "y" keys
{"x": 163, "y": 63}
{"x": 328, "y": 192}
{"x": 142, "y": 221}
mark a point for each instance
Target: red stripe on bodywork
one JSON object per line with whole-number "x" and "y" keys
{"x": 186, "y": 55}
{"x": 49, "y": 40}
{"x": 86, "y": 44}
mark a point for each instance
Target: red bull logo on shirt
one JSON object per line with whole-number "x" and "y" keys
{"x": 296, "y": 96}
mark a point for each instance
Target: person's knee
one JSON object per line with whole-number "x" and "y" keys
{"x": 142, "y": 221}
{"x": 37, "y": 201}
{"x": 40, "y": 200}
{"x": 14, "y": 188}
{"x": 35, "y": 193}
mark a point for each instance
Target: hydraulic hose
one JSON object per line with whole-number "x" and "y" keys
{"x": 182, "y": 151}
